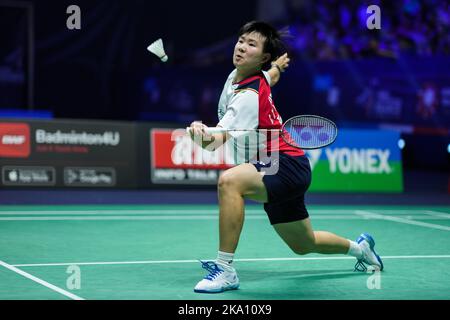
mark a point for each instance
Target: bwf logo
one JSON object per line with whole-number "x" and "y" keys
{"x": 14, "y": 140}
{"x": 374, "y": 20}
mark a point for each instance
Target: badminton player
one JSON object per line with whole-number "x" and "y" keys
{"x": 246, "y": 102}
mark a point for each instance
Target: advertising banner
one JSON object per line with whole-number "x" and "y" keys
{"x": 175, "y": 159}
{"x": 358, "y": 161}
{"x": 62, "y": 153}
{"x": 125, "y": 155}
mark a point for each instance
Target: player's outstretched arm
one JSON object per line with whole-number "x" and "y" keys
{"x": 278, "y": 66}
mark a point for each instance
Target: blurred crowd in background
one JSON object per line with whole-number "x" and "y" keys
{"x": 329, "y": 30}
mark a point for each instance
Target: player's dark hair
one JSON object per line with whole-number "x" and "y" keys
{"x": 273, "y": 44}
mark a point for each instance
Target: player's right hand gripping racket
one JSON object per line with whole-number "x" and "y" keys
{"x": 304, "y": 131}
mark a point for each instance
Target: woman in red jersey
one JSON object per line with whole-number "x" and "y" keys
{"x": 246, "y": 102}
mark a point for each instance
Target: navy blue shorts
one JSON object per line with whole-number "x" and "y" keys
{"x": 286, "y": 189}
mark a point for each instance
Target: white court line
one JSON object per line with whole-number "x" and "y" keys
{"x": 166, "y": 218}
{"x": 437, "y": 214}
{"x": 107, "y": 212}
{"x": 262, "y": 216}
{"x": 397, "y": 211}
{"x": 186, "y": 211}
{"x": 192, "y": 212}
{"x": 238, "y": 260}
{"x": 170, "y": 218}
{"x": 401, "y": 220}
{"x": 40, "y": 281}
{"x": 132, "y": 212}
{"x": 130, "y": 218}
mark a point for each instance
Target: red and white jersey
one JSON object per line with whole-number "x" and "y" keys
{"x": 248, "y": 104}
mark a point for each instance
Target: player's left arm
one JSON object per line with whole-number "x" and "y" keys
{"x": 278, "y": 66}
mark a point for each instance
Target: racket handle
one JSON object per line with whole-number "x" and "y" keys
{"x": 211, "y": 130}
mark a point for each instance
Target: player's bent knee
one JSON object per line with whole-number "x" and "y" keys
{"x": 243, "y": 179}
{"x": 226, "y": 180}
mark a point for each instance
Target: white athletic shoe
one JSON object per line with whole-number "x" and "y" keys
{"x": 218, "y": 280}
{"x": 370, "y": 257}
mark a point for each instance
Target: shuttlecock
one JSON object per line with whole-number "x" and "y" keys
{"x": 157, "y": 48}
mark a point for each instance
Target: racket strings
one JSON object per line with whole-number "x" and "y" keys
{"x": 310, "y": 132}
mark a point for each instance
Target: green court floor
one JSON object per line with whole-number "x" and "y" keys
{"x": 152, "y": 252}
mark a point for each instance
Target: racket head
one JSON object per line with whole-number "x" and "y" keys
{"x": 309, "y": 132}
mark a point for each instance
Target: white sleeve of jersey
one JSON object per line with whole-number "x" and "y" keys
{"x": 242, "y": 111}
{"x": 267, "y": 75}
